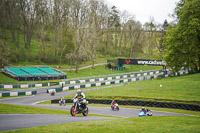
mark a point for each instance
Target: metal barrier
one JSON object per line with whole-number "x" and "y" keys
{"x": 108, "y": 75}
{"x": 20, "y": 93}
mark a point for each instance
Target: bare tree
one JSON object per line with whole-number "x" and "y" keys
{"x": 79, "y": 10}
{"x": 95, "y": 22}
{"x": 135, "y": 36}
{"x": 43, "y": 16}
{"x": 150, "y": 34}
{"x": 124, "y": 17}
{"x": 11, "y": 12}
{"x": 28, "y": 13}
{"x": 4, "y": 53}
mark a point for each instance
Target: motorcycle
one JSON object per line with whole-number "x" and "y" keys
{"x": 78, "y": 109}
{"x": 115, "y": 106}
{"x": 62, "y": 103}
{"x": 142, "y": 113}
{"x": 53, "y": 93}
{"x": 149, "y": 113}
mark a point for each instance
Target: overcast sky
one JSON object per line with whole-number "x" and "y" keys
{"x": 143, "y": 9}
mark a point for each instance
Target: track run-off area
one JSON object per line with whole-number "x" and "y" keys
{"x": 19, "y": 121}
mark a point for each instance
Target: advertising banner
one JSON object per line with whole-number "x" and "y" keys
{"x": 142, "y": 62}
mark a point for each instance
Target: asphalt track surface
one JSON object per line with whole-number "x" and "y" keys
{"x": 18, "y": 121}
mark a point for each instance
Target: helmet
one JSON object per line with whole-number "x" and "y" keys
{"x": 79, "y": 91}
{"x": 143, "y": 108}
{"x": 147, "y": 108}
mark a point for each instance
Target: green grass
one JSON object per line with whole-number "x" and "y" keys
{"x": 100, "y": 70}
{"x": 196, "y": 113}
{"x": 139, "y": 107}
{"x": 182, "y": 89}
{"x": 19, "y": 109}
{"x": 64, "y": 66}
{"x": 5, "y": 79}
{"x": 155, "y": 124}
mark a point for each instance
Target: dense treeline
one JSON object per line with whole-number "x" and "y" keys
{"x": 72, "y": 31}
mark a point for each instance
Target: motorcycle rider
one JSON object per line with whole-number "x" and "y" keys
{"x": 143, "y": 110}
{"x": 149, "y": 113}
{"x": 81, "y": 96}
{"x": 62, "y": 100}
{"x": 113, "y": 102}
{"x": 53, "y": 92}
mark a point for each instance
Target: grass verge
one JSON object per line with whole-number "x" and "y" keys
{"x": 181, "y": 111}
{"x": 181, "y": 89}
{"x": 100, "y": 70}
{"x": 19, "y": 109}
{"x": 156, "y": 124}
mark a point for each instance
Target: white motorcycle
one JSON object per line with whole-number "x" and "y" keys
{"x": 115, "y": 106}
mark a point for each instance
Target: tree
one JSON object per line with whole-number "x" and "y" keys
{"x": 135, "y": 36}
{"x": 159, "y": 37}
{"x": 115, "y": 23}
{"x": 42, "y": 13}
{"x": 124, "y": 17}
{"x": 80, "y": 25}
{"x": 150, "y": 28}
{"x": 94, "y": 28}
{"x": 5, "y": 53}
{"x": 183, "y": 41}
{"x": 28, "y": 13}
{"x": 165, "y": 25}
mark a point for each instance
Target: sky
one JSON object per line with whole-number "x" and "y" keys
{"x": 144, "y": 9}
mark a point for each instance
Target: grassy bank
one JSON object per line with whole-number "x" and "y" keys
{"x": 156, "y": 124}
{"x": 182, "y": 89}
{"x": 101, "y": 70}
{"x": 19, "y": 109}
{"x": 181, "y": 111}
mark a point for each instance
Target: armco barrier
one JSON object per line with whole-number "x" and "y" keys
{"x": 116, "y": 81}
{"x": 8, "y": 94}
{"x": 98, "y": 84}
{"x": 191, "y": 107}
{"x": 93, "y": 79}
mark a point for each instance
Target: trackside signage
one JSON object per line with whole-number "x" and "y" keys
{"x": 155, "y": 62}
{"x": 142, "y": 62}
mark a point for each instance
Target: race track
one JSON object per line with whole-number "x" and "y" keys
{"x": 18, "y": 121}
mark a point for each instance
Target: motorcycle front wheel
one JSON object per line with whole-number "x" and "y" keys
{"x": 73, "y": 111}
{"x": 86, "y": 112}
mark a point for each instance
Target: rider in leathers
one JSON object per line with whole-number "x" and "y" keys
{"x": 80, "y": 95}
